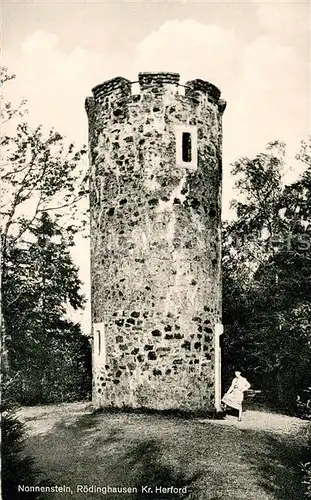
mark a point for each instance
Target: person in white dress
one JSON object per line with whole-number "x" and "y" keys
{"x": 235, "y": 394}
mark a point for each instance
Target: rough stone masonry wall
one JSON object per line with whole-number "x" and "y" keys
{"x": 155, "y": 242}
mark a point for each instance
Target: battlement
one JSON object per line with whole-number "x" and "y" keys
{"x": 119, "y": 86}
{"x": 158, "y": 80}
{"x": 196, "y": 87}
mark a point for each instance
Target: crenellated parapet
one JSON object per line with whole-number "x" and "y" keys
{"x": 157, "y": 83}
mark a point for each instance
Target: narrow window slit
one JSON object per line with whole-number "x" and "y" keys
{"x": 99, "y": 342}
{"x": 186, "y": 147}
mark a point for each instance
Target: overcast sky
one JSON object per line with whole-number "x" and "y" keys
{"x": 257, "y": 53}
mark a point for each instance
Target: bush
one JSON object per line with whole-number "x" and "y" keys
{"x": 16, "y": 468}
{"x": 306, "y": 469}
{"x": 56, "y": 371}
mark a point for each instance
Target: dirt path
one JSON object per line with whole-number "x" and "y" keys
{"x": 42, "y": 419}
{"x": 263, "y": 421}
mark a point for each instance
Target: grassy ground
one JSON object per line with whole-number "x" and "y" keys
{"x": 215, "y": 460}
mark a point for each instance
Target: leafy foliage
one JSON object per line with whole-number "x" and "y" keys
{"x": 306, "y": 468}
{"x": 267, "y": 276}
{"x": 47, "y": 350}
{"x": 16, "y": 467}
{"x": 40, "y": 173}
{"x": 44, "y": 188}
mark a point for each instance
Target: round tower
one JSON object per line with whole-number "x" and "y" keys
{"x": 155, "y": 207}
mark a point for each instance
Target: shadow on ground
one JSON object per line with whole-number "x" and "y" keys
{"x": 152, "y": 476}
{"x": 276, "y": 465}
{"x": 202, "y": 460}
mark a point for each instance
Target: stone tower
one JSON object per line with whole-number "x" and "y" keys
{"x": 155, "y": 205}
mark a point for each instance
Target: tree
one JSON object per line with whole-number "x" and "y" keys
{"x": 40, "y": 173}
{"x": 43, "y": 192}
{"x": 42, "y": 343}
{"x": 258, "y": 209}
{"x": 267, "y": 278}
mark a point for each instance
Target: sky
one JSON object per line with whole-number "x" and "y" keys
{"x": 256, "y": 52}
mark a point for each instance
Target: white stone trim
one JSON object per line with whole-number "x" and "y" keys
{"x": 218, "y": 331}
{"x": 99, "y": 343}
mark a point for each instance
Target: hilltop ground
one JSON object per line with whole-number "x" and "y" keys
{"x": 216, "y": 460}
